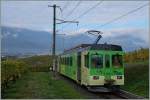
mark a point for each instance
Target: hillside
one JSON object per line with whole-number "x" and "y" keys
{"x": 21, "y": 41}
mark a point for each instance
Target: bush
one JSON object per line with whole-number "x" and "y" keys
{"x": 137, "y": 55}
{"x": 11, "y": 70}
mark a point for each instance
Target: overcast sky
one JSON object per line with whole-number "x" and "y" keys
{"x": 36, "y": 15}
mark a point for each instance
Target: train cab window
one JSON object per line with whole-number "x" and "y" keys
{"x": 107, "y": 61}
{"x": 97, "y": 61}
{"x": 117, "y": 60}
{"x": 86, "y": 61}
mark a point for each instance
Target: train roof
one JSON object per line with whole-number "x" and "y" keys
{"x": 83, "y": 47}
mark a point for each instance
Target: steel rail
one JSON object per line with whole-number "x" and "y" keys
{"x": 127, "y": 95}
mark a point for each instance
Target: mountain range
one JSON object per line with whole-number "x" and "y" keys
{"x": 21, "y": 41}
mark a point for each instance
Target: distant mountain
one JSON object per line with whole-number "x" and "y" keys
{"x": 128, "y": 42}
{"x": 18, "y": 40}
{"x": 24, "y": 41}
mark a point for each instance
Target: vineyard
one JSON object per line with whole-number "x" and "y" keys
{"x": 137, "y": 55}
{"x": 11, "y": 70}
{"x": 14, "y": 69}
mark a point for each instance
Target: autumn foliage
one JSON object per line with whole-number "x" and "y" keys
{"x": 11, "y": 70}
{"x": 137, "y": 55}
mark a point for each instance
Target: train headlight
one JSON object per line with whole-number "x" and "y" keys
{"x": 119, "y": 77}
{"x": 95, "y": 77}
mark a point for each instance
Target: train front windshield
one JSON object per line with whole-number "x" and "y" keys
{"x": 97, "y": 61}
{"x": 117, "y": 61}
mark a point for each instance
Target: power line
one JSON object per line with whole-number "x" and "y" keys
{"x": 130, "y": 12}
{"x": 93, "y": 7}
{"x": 69, "y": 14}
{"x": 115, "y": 19}
{"x": 65, "y": 5}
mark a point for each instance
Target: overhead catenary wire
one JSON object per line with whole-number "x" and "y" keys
{"x": 120, "y": 17}
{"x": 63, "y": 8}
{"x": 87, "y": 11}
{"x": 65, "y": 5}
{"x": 130, "y": 12}
{"x": 70, "y": 13}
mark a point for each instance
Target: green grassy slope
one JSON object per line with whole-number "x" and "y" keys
{"x": 40, "y": 85}
{"x": 137, "y": 78}
{"x": 38, "y": 63}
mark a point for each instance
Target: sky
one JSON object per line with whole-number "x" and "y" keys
{"x": 36, "y": 15}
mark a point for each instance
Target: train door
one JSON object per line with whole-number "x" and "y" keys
{"x": 79, "y": 67}
{"x": 108, "y": 69}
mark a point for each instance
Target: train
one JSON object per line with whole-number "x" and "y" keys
{"x": 99, "y": 67}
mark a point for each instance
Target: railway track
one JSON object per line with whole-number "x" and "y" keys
{"x": 127, "y": 95}
{"x": 120, "y": 94}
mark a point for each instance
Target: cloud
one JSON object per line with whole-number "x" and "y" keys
{"x": 15, "y": 35}
{"x": 134, "y": 32}
{"x": 76, "y": 32}
{"x": 26, "y": 14}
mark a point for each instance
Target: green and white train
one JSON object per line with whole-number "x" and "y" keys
{"x": 93, "y": 65}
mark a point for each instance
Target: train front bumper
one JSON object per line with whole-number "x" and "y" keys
{"x": 100, "y": 80}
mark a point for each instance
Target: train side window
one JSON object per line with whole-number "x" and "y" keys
{"x": 70, "y": 61}
{"x": 107, "y": 61}
{"x": 65, "y": 60}
{"x": 60, "y": 60}
{"x": 86, "y": 61}
{"x": 97, "y": 61}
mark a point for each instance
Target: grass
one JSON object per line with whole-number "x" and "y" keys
{"x": 40, "y": 85}
{"x": 137, "y": 78}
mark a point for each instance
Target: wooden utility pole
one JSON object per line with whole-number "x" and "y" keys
{"x": 54, "y": 40}
{"x": 54, "y": 29}
{"x": 54, "y": 68}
